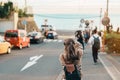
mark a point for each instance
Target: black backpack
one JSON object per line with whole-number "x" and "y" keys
{"x": 96, "y": 42}
{"x": 74, "y": 75}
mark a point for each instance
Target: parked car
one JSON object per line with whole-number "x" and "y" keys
{"x": 51, "y": 35}
{"x": 35, "y": 37}
{"x": 17, "y": 38}
{"x": 5, "y": 47}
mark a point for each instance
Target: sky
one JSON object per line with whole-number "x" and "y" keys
{"x": 69, "y": 6}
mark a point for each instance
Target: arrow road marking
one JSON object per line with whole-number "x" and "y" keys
{"x": 33, "y": 60}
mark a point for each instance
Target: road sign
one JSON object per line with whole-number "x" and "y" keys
{"x": 105, "y": 21}
{"x": 82, "y": 20}
{"x": 24, "y": 22}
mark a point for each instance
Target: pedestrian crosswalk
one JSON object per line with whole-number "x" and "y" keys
{"x": 53, "y": 40}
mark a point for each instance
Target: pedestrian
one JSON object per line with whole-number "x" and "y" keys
{"x": 80, "y": 37}
{"x": 71, "y": 59}
{"x": 96, "y": 42}
{"x": 86, "y": 36}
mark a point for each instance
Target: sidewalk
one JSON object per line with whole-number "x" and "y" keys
{"x": 92, "y": 71}
{"x": 104, "y": 70}
{"x": 115, "y": 60}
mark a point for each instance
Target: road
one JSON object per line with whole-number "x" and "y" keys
{"x": 41, "y": 62}
{"x": 47, "y": 67}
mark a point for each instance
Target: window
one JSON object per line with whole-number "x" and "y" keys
{"x": 11, "y": 34}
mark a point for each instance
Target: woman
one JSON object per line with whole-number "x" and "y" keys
{"x": 72, "y": 54}
{"x": 80, "y": 38}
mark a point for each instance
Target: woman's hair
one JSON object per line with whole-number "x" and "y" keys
{"x": 79, "y": 34}
{"x": 69, "y": 49}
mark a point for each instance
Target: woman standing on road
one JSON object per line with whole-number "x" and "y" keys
{"x": 71, "y": 59}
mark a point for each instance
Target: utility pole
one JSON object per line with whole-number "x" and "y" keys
{"x": 25, "y": 8}
{"x": 105, "y": 22}
{"x": 107, "y": 7}
{"x": 100, "y": 18}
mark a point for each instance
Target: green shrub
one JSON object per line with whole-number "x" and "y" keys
{"x": 22, "y": 13}
{"x": 6, "y": 9}
{"x": 113, "y": 42}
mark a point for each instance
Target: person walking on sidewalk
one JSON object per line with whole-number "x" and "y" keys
{"x": 96, "y": 42}
{"x": 71, "y": 59}
{"x": 79, "y": 36}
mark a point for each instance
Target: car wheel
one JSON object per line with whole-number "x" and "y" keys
{"x": 9, "y": 50}
{"x": 28, "y": 45}
{"x": 20, "y": 46}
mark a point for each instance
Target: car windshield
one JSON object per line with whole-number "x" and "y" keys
{"x": 11, "y": 34}
{"x": 32, "y": 34}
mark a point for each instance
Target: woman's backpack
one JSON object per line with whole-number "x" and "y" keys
{"x": 71, "y": 72}
{"x": 96, "y": 44}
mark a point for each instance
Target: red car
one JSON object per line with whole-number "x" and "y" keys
{"x": 17, "y": 38}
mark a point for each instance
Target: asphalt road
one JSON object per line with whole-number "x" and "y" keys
{"x": 41, "y": 60}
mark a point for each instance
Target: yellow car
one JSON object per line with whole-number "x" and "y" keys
{"x": 5, "y": 47}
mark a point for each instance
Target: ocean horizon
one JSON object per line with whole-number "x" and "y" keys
{"x": 72, "y": 21}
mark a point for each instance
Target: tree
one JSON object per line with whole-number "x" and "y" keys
{"x": 6, "y": 9}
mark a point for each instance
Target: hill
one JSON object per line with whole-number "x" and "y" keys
{"x": 30, "y": 24}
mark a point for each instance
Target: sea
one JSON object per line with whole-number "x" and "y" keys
{"x": 75, "y": 21}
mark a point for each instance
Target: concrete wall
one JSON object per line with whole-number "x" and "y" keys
{"x": 5, "y": 25}
{"x": 9, "y": 24}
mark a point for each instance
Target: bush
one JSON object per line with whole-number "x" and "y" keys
{"x": 6, "y": 9}
{"x": 113, "y": 42}
{"x": 22, "y": 13}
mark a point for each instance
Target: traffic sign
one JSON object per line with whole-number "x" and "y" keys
{"x": 105, "y": 21}
{"x": 24, "y": 22}
{"x": 82, "y": 20}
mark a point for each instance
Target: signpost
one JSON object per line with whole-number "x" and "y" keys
{"x": 24, "y": 22}
{"x": 105, "y": 22}
{"x": 82, "y": 20}
{"x": 81, "y": 24}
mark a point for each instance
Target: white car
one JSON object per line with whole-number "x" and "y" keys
{"x": 35, "y": 37}
{"x": 52, "y": 35}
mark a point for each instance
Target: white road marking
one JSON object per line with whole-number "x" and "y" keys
{"x": 45, "y": 40}
{"x": 33, "y": 60}
{"x": 55, "y": 40}
{"x": 111, "y": 69}
{"x": 60, "y": 40}
{"x": 50, "y": 40}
